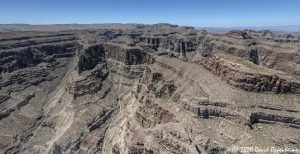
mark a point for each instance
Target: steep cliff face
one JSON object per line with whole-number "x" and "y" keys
{"x": 127, "y": 55}
{"x": 147, "y": 89}
{"x": 30, "y": 52}
{"x": 94, "y": 67}
{"x": 169, "y": 40}
{"x": 24, "y": 66}
{"x": 91, "y": 58}
{"x": 250, "y": 77}
{"x": 262, "y": 47}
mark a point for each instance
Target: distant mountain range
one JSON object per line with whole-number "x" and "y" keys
{"x": 294, "y": 29}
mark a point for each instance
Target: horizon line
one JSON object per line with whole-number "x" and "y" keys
{"x": 49, "y": 24}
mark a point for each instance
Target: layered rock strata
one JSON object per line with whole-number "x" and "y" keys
{"x": 147, "y": 89}
{"x": 244, "y": 77}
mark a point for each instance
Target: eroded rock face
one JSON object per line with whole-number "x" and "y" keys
{"x": 90, "y": 84}
{"x": 260, "y": 47}
{"x": 127, "y": 55}
{"x": 147, "y": 89}
{"x": 91, "y": 58}
{"x": 29, "y": 57}
{"x": 150, "y": 114}
{"x": 94, "y": 67}
{"x": 237, "y": 75}
{"x": 253, "y": 56}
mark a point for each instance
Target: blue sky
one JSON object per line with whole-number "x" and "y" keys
{"x": 211, "y": 13}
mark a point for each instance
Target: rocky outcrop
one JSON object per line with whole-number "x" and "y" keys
{"x": 205, "y": 108}
{"x": 32, "y": 54}
{"x": 181, "y": 43}
{"x": 30, "y": 43}
{"x": 257, "y": 117}
{"x": 253, "y": 56}
{"x": 91, "y": 84}
{"x": 93, "y": 66}
{"x": 21, "y": 79}
{"x": 173, "y": 140}
{"x": 238, "y": 34}
{"x": 271, "y": 49}
{"x": 7, "y": 109}
{"x": 260, "y": 34}
{"x": 127, "y": 55}
{"x": 238, "y": 75}
{"x": 91, "y": 57}
{"x": 139, "y": 148}
{"x": 159, "y": 86}
{"x": 150, "y": 114}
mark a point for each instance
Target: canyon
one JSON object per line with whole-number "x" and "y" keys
{"x": 151, "y": 89}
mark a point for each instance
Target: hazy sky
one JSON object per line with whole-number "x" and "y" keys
{"x": 216, "y": 13}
